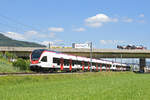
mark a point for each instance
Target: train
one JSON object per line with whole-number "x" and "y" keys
{"x": 44, "y": 60}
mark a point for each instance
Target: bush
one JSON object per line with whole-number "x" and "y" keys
{"x": 1, "y": 55}
{"x": 21, "y": 64}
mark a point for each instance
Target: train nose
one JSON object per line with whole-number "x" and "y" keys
{"x": 34, "y": 61}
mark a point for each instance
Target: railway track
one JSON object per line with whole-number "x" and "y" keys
{"x": 20, "y": 73}
{"x": 33, "y": 73}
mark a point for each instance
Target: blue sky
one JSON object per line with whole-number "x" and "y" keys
{"x": 62, "y": 22}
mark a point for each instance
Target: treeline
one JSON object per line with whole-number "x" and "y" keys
{"x": 16, "y": 62}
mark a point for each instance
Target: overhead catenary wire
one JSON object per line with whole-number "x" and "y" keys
{"x": 20, "y": 23}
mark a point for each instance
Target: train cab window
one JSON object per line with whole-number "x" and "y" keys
{"x": 44, "y": 59}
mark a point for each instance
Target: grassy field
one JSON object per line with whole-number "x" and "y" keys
{"x": 87, "y": 86}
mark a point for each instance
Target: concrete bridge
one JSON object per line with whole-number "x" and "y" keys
{"x": 96, "y": 53}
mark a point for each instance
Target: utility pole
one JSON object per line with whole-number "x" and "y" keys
{"x": 49, "y": 45}
{"x": 91, "y": 56}
{"x": 121, "y": 62}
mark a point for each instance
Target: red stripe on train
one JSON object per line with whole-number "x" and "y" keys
{"x": 70, "y": 65}
{"x": 61, "y": 64}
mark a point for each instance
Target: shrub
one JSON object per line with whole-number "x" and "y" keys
{"x": 1, "y": 55}
{"x": 21, "y": 64}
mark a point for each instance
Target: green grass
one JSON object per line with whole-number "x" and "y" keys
{"x": 87, "y": 86}
{"x": 6, "y": 66}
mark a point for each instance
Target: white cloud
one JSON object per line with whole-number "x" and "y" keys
{"x": 15, "y": 35}
{"x": 47, "y": 43}
{"x": 79, "y": 29}
{"x": 94, "y": 24}
{"x": 141, "y": 21}
{"x": 105, "y": 42}
{"x": 34, "y": 34}
{"x": 29, "y": 34}
{"x": 52, "y": 43}
{"x": 114, "y": 20}
{"x": 98, "y": 20}
{"x": 52, "y": 35}
{"x": 56, "y": 29}
{"x": 111, "y": 42}
{"x": 141, "y": 15}
{"x": 127, "y": 20}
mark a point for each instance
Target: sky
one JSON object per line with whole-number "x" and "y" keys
{"x": 105, "y": 23}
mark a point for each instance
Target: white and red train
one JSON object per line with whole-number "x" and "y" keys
{"x": 48, "y": 60}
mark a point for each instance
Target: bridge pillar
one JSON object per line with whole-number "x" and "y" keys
{"x": 142, "y": 64}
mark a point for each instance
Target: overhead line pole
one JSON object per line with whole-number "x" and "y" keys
{"x": 91, "y": 56}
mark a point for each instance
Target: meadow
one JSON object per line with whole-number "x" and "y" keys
{"x": 86, "y": 86}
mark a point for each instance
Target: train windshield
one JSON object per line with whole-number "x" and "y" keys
{"x": 36, "y": 54}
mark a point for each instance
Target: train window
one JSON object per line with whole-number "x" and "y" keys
{"x": 73, "y": 62}
{"x": 94, "y": 64}
{"x": 56, "y": 60}
{"x": 66, "y": 62}
{"x": 103, "y": 64}
{"x": 44, "y": 59}
{"x": 86, "y": 63}
{"x": 79, "y": 62}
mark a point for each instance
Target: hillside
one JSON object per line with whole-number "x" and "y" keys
{"x": 6, "y": 41}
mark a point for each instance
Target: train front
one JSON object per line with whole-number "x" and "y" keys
{"x": 34, "y": 59}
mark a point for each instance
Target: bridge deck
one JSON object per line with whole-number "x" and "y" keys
{"x": 97, "y": 53}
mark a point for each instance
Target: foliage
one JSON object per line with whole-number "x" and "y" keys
{"x": 10, "y": 55}
{"x": 21, "y": 64}
{"x": 16, "y": 66}
{"x": 1, "y": 55}
{"x": 6, "y": 66}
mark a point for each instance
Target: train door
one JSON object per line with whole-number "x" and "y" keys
{"x": 96, "y": 67}
{"x": 44, "y": 62}
{"x": 82, "y": 65}
{"x": 88, "y": 66}
{"x": 61, "y": 63}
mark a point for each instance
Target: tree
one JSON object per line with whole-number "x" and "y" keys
{"x": 1, "y": 55}
{"x": 10, "y": 55}
{"x": 21, "y": 64}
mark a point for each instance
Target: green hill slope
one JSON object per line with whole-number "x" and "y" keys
{"x": 5, "y": 41}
